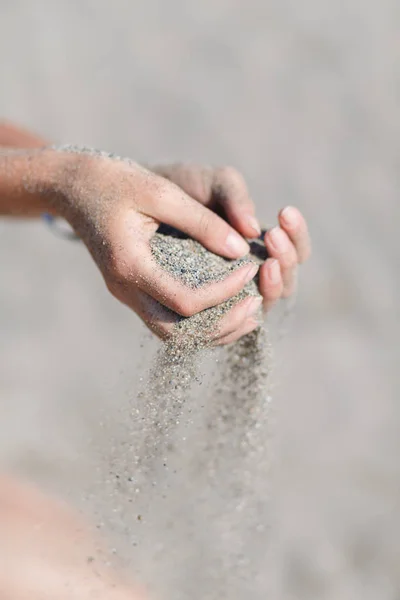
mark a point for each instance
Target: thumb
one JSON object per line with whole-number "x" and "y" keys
{"x": 179, "y": 210}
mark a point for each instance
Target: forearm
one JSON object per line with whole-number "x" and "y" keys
{"x": 16, "y": 171}
{"x": 21, "y": 184}
{"x": 31, "y": 181}
{"x": 12, "y": 136}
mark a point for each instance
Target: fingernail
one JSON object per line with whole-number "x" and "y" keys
{"x": 254, "y": 224}
{"x": 288, "y": 214}
{"x": 236, "y": 245}
{"x": 278, "y": 239}
{"x": 250, "y": 273}
{"x": 253, "y": 306}
{"x": 274, "y": 271}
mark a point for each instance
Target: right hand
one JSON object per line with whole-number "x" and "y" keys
{"x": 116, "y": 207}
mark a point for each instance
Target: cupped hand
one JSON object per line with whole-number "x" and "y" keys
{"x": 116, "y": 206}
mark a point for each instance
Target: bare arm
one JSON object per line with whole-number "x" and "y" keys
{"x": 12, "y": 136}
{"x": 18, "y": 159}
{"x": 116, "y": 206}
{"x": 27, "y": 178}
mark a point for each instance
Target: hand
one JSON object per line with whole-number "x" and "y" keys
{"x": 46, "y": 552}
{"x": 116, "y": 207}
{"x": 104, "y": 198}
{"x": 288, "y": 243}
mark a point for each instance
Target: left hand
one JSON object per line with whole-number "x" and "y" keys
{"x": 288, "y": 243}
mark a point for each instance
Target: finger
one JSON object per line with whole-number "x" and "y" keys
{"x": 249, "y": 325}
{"x": 159, "y": 319}
{"x": 224, "y": 187}
{"x": 295, "y": 226}
{"x": 270, "y": 283}
{"x": 280, "y": 247}
{"x": 133, "y": 266}
{"x": 184, "y": 300}
{"x": 171, "y": 205}
{"x": 229, "y": 191}
{"x": 195, "y": 180}
{"x": 235, "y": 318}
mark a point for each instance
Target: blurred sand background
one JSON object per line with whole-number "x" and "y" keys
{"x": 303, "y": 98}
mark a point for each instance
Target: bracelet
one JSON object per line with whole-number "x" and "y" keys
{"x": 60, "y": 227}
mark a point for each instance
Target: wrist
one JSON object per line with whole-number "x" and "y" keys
{"x": 51, "y": 180}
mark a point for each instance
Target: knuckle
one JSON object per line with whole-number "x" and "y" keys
{"x": 230, "y": 174}
{"x": 117, "y": 269}
{"x": 116, "y": 289}
{"x": 230, "y": 186}
{"x": 237, "y": 317}
{"x": 111, "y": 285}
{"x": 156, "y": 190}
{"x": 184, "y": 307}
{"x": 205, "y": 225}
{"x": 114, "y": 270}
{"x": 236, "y": 321}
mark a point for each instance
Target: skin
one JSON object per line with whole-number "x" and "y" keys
{"x": 47, "y": 552}
{"x": 115, "y": 207}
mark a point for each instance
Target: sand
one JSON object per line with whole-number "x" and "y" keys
{"x": 177, "y": 361}
{"x": 182, "y": 468}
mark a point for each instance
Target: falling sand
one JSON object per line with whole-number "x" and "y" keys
{"x": 187, "y": 476}
{"x": 190, "y": 486}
